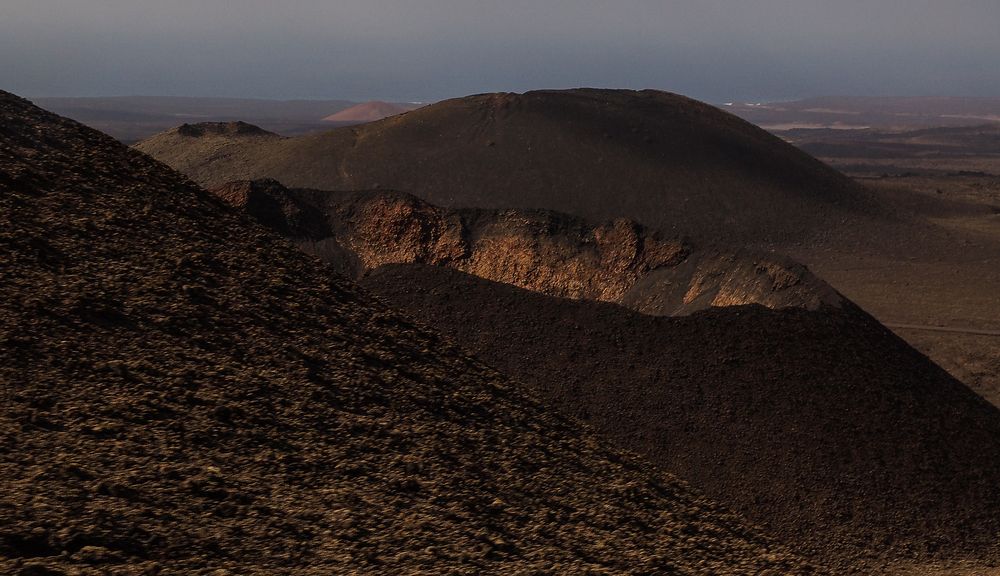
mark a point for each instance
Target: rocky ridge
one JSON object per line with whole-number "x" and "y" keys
{"x": 556, "y": 254}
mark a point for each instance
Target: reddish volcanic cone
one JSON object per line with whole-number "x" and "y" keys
{"x": 370, "y": 112}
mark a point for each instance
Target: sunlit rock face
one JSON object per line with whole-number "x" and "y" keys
{"x": 556, "y": 254}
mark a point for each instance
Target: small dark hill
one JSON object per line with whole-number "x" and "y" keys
{"x": 667, "y": 161}
{"x": 221, "y": 129}
{"x": 821, "y": 425}
{"x": 557, "y": 254}
{"x": 133, "y": 118}
{"x": 185, "y": 393}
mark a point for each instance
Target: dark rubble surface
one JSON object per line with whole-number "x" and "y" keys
{"x": 184, "y": 393}
{"x": 822, "y": 426}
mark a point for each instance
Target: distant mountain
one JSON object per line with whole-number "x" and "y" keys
{"x": 660, "y": 159}
{"x": 370, "y": 112}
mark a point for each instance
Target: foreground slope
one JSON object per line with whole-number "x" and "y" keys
{"x": 184, "y": 392}
{"x": 617, "y": 261}
{"x": 667, "y": 161}
{"x": 821, "y": 425}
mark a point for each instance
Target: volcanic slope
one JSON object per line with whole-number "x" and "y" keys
{"x": 821, "y": 425}
{"x": 545, "y": 251}
{"x": 667, "y": 161}
{"x": 185, "y": 392}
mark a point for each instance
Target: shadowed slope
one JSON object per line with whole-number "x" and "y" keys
{"x": 661, "y": 159}
{"x": 821, "y": 425}
{"x": 184, "y": 392}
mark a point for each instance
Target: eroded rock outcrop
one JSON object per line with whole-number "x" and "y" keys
{"x": 556, "y": 254}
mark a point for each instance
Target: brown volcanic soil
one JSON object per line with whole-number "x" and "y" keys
{"x": 664, "y": 160}
{"x": 966, "y": 151}
{"x": 950, "y": 282}
{"x": 184, "y": 392}
{"x": 369, "y": 112}
{"x": 557, "y": 254}
{"x": 821, "y": 425}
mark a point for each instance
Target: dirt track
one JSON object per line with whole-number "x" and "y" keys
{"x": 943, "y": 329}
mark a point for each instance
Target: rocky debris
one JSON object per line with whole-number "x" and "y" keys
{"x": 822, "y": 426}
{"x": 184, "y": 392}
{"x": 556, "y": 254}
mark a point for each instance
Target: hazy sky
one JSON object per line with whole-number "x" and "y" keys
{"x": 430, "y": 49}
